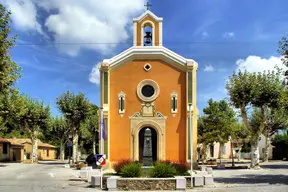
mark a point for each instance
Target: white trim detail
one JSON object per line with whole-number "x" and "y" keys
{"x": 160, "y": 34}
{"x": 153, "y": 32}
{"x": 153, "y": 84}
{"x": 146, "y": 65}
{"x": 174, "y": 95}
{"x": 149, "y": 52}
{"x": 121, "y": 111}
{"x": 150, "y": 14}
{"x": 135, "y": 34}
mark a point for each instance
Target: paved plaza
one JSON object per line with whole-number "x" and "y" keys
{"x": 52, "y": 176}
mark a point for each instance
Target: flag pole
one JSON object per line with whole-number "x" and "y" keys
{"x": 101, "y": 129}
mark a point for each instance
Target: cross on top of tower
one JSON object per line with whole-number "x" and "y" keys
{"x": 148, "y": 5}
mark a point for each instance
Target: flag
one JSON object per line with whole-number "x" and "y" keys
{"x": 103, "y": 134}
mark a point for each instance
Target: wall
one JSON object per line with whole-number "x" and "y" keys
{"x": 42, "y": 153}
{"x": 262, "y": 144}
{"x": 28, "y": 150}
{"x": 225, "y": 155}
{"x": 3, "y": 156}
{"x": 16, "y": 154}
{"x": 169, "y": 79}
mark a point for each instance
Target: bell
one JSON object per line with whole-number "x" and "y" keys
{"x": 148, "y": 38}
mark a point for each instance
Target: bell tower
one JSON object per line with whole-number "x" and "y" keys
{"x": 147, "y": 29}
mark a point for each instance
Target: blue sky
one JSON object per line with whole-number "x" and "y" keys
{"x": 55, "y": 51}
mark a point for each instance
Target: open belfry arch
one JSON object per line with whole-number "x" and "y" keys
{"x": 148, "y": 87}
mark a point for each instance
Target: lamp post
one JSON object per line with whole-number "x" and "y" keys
{"x": 230, "y": 139}
{"x": 191, "y": 142}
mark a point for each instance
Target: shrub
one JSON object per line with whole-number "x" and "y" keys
{"x": 181, "y": 167}
{"x": 246, "y": 148}
{"x": 163, "y": 170}
{"x": 280, "y": 141}
{"x": 166, "y": 161}
{"x": 131, "y": 170}
{"x": 117, "y": 166}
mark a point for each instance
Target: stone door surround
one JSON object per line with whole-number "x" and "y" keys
{"x": 137, "y": 122}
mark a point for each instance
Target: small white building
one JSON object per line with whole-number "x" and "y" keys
{"x": 262, "y": 144}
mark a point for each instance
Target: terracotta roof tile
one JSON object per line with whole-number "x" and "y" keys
{"x": 2, "y": 140}
{"x": 16, "y": 141}
{"x": 46, "y": 145}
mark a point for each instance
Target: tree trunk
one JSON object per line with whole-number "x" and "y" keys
{"x": 204, "y": 154}
{"x": 62, "y": 150}
{"x": 266, "y": 152}
{"x": 75, "y": 147}
{"x": 94, "y": 146}
{"x": 220, "y": 152}
{"x": 34, "y": 150}
{"x": 254, "y": 153}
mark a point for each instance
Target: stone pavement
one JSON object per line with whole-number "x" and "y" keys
{"x": 52, "y": 176}
{"x": 49, "y": 176}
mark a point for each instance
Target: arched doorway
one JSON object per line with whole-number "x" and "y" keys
{"x": 147, "y": 145}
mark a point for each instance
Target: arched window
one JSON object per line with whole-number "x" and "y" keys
{"x": 148, "y": 36}
{"x": 121, "y": 103}
{"x": 174, "y": 102}
{"x": 148, "y": 32}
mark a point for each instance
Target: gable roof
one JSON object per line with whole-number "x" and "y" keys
{"x": 46, "y": 145}
{"x": 147, "y": 12}
{"x": 16, "y": 141}
{"x": 148, "y": 52}
{"x": 22, "y": 141}
{"x": 2, "y": 140}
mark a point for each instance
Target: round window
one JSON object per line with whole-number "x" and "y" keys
{"x": 147, "y": 91}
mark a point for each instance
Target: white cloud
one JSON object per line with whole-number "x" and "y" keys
{"x": 209, "y": 68}
{"x": 97, "y": 25}
{"x": 24, "y": 14}
{"x": 89, "y": 24}
{"x": 228, "y": 35}
{"x": 205, "y": 35}
{"x": 257, "y": 64}
{"x": 94, "y": 76}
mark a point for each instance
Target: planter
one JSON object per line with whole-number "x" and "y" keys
{"x": 134, "y": 184}
{"x": 211, "y": 163}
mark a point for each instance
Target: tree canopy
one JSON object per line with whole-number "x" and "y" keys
{"x": 255, "y": 90}
{"x": 9, "y": 70}
{"x": 283, "y": 49}
{"x": 76, "y": 109}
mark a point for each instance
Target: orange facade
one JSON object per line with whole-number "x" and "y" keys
{"x": 126, "y": 78}
{"x": 173, "y": 81}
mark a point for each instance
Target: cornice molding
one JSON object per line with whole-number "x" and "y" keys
{"x": 148, "y": 52}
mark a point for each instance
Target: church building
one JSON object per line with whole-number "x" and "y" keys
{"x": 147, "y": 94}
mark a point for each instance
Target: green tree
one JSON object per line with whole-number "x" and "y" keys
{"x": 9, "y": 70}
{"x": 276, "y": 118}
{"x": 75, "y": 108}
{"x": 33, "y": 120}
{"x": 89, "y": 128}
{"x": 283, "y": 50}
{"x": 204, "y": 137}
{"x": 59, "y": 133}
{"x": 11, "y": 108}
{"x": 258, "y": 90}
{"x": 220, "y": 122}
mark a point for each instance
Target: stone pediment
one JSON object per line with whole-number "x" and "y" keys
{"x": 138, "y": 114}
{"x": 148, "y": 111}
